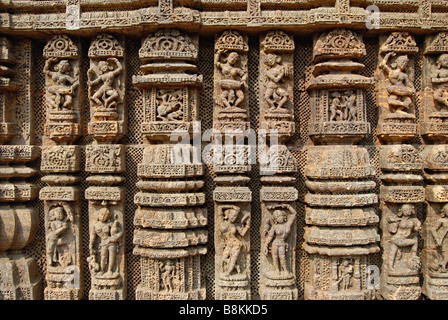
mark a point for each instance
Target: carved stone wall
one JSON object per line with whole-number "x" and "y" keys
{"x": 340, "y": 127}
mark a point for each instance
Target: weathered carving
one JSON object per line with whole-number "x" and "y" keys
{"x": 106, "y": 245}
{"x": 170, "y": 94}
{"x": 435, "y": 84}
{"x": 276, "y": 71}
{"x": 106, "y": 88}
{"x": 341, "y": 233}
{"x": 231, "y": 75}
{"x": 336, "y": 92}
{"x": 63, "y": 245}
{"x": 169, "y": 241}
{"x": 395, "y": 78}
{"x": 62, "y": 82}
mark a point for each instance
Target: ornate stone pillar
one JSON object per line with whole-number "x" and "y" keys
{"x": 105, "y": 160}
{"x": 341, "y": 234}
{"x": 19, "y": 218}
{"x": 278, "y": 200}
{"x": 170, "y": 237}
{"x": 60, "y": 160}
{"x": 231, "y": 154}
{"x": 435, "y": 164}
{"x": 400, "y": 165}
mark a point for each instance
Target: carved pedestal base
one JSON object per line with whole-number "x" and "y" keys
{"x": 19, "y": 278}
{"x": 338, "y": 277}
{"x": 435, "y": 127}
{"x": 396, "y": 127}
{"x": 61, "y": 294}
{"x": 171, "y": 279}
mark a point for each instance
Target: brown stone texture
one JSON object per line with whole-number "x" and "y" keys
{"x": 223, "y": 150}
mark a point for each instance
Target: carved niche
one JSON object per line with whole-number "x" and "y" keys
{"x": 337, "y": 92}
{"x": 276, "y": 83}
{"x": 395, "y": 87}
{"x": 435, "y": 89}
{"x": 62, "y": 83}
{"x": 106, "y": 89}
{"x": 169, "y": 84}
{"x": 170, "y": 237}
{"x": 230, "y": 111}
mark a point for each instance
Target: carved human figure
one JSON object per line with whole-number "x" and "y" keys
{"x": 278, "y": 234}
{"x": 345, "y": 274}
{"x": 169, "y": 105}
{"x": 401, "y": 87}
{"x": 335, "y": 106}
{"x": 232, "y": 233}
{"x": 275, "y": 95}
{"x": 57, "y": 226}
{"x": 349, "y": 102}
{"x": 105, "y": 74}
{"x": 63, "y": 85}
{"x": 168, "y": 272}
{"x": 404, "y": 235}
{"x": 233, "y": 79}
{"x": 439, "y": 231}
{"x": 440, "y": 78}
{"x": 109, "y": 232}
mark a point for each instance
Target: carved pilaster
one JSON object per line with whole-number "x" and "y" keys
{"x": 278, "y": 200}
{"x": 435, "y": 156}
{"x": 231, "y": 162}
{"x": 401, "y": 167}
{"x": 60, "y": 160}
{"x": 341, "y": 233}
{"x": 106, "y": 160}
{"x": 170, "y": 237}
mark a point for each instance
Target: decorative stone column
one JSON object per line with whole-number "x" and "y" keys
{"x": 231, "y": 154}
{"x": 170, "y": 236}
{"x": 435, "y": 163}
{"x": 19, "y": 218}
{"x": 401, "y": 166}
{"x": 105, "y": 160}
{"x": 341, "y": 233}
{"x": 278, "y": 200}
{"x": 61, "y": 159}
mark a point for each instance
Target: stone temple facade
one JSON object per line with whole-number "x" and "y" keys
{"x": 223, "y": 150}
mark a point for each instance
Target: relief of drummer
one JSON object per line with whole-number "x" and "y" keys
{"x": 233, "y": 79}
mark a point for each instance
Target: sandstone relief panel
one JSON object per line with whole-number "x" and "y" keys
{"x": 132, "y": 132}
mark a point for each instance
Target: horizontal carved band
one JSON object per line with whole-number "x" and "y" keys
{"x": 169, "y": 253}
{"x": 341, "y": 236}
{"x": 402, "y": 194}
{"x": 18, "y": 192}
{"x": 354, "y": 200}
{"x": 341, "y": 217}
{"x": 278, "y": 194}
{"x": 161, "y": 218}
{"x": 169, "y": 199}
{"x": 228, "y": 194}
{"x": 59, "y": 193}
{"x": 105, "y": 193}
{"x": 169, "y": 239}
{"x": 170, "y": 170}
{"x": 18, "y": 153}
